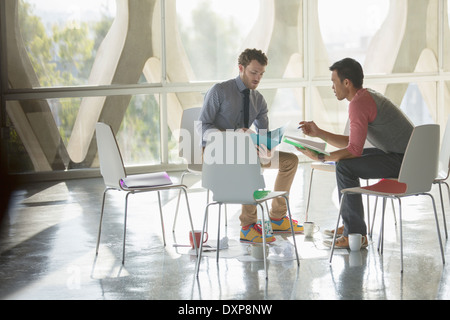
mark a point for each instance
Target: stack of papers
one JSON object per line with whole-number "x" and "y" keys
{"x": 302, "y": 143}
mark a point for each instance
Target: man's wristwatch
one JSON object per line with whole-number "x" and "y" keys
{"x": 321, "y": 157}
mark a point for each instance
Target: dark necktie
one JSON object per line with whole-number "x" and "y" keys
{"x": 246, "y": 106}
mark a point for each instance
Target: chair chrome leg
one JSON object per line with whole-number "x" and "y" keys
{"x": 401, "y": 232}
{"x": 443, "y": 211}
{"x": 199, "y": 255}
{"x": 309, "y": 194}
{"x": 335, "y": 230}
{"x": 101, "y": 220}
{"x": 368, "y": 211}
{"x": 226, "y": 215}
{"x": 176, "y": 212}
{"x": 207, "y": 201}
{"x": 375, "y": 212}
{"x": 264, "y": 240}
{"x": 292, "y": 229}
{"x": 218, "y": 234}
{"x": 190, "y": 217}
{"x": 178, "y": 203}
{"x": 381, "y": 236}
{"x": 162, "y": 219}
{"x": 125, "y": 227}
{"x": 448, "y": 191}
{"x": 373, "y": 217}
{"x": 437, "y": 227}
{"x": 393, "y": 211}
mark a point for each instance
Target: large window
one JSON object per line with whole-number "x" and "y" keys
{"x": 446, "y": 36}
{"x": 352, "y": 28}
{"x": 137, "y": 64}
{"x": 212, "y": 33}
{"x": 62, "y": 39}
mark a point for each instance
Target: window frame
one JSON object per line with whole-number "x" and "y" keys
{"x": 308, "y": 82}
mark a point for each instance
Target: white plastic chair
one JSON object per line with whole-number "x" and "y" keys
{"x": 444, "y": 169}
{"x": 115, "y": 178}
{"x": 232, "y": 171}
{"x": 417, "y": 173}
{"x": 190, "y": 150}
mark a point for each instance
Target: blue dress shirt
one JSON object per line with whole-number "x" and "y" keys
{"x": 223, "y": 108}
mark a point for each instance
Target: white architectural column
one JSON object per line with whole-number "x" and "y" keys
{"x": 32, "y": 119}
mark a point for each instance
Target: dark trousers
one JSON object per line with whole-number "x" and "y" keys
{"x": 373, "y": 164}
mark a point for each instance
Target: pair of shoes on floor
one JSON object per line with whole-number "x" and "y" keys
{"x": 343, "y": 243}
{"x": 253, "y": 232}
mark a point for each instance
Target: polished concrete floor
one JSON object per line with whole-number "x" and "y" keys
{"x": 48, "y": 240}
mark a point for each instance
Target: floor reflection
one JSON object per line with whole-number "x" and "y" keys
{"x": 48, "y": 238}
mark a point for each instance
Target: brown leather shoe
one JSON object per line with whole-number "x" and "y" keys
{"x": 330, "y": 233}
{"x": 342, "y": 243}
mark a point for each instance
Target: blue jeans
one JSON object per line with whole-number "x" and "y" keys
{"x": 373, "y": 164}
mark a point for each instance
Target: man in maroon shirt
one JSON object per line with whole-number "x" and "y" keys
{"x": 373, "y": 117}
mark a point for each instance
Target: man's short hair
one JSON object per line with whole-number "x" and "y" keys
{"x": 252, "y": 54}
{"x": 350, "y": 69}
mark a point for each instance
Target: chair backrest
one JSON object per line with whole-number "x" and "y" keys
{"x": 111, "y": 163}
{"x": 420, "y": 163}
{"x": 444, "y": 155}
{"x": 231, "y": 168}
{"x": 190, "y": 148}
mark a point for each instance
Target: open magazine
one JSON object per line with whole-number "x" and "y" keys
{"x": 302, "y": 143}
{"x": 270, "y": 139}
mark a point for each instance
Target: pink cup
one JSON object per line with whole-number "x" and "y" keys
{"x": 198, "y": 235}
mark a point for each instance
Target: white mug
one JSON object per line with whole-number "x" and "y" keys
{"x": 309, "y": 228}
{"x": 256, "y": 251}
{"x": 355, "y": 240}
